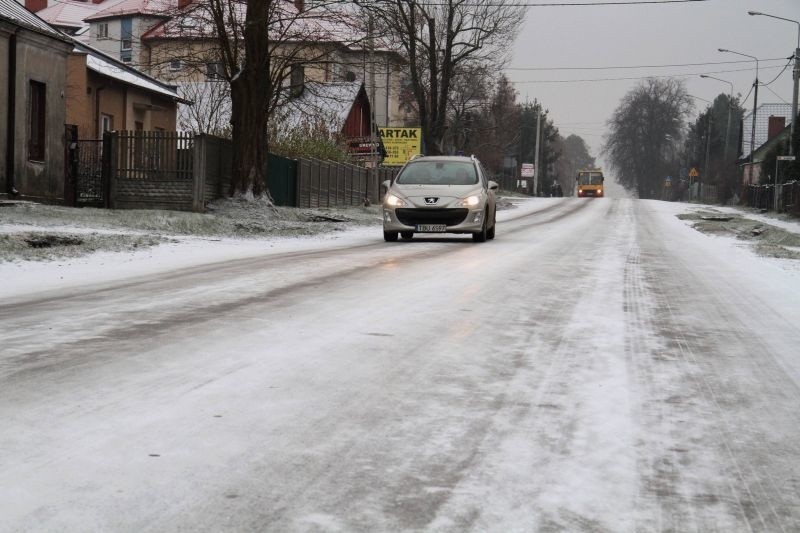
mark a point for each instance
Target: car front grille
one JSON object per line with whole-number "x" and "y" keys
{"x": 449, "y": 217}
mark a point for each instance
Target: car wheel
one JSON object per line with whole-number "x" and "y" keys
{"x": 490, "y": 232}
{"x": 483, "y": 233}
{"x": 390, "y": 236}
{"x": 407, "y": 235}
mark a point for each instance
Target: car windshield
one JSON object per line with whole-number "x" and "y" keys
{"x": 438, "y": 173}
{"x": 590, "y": 178}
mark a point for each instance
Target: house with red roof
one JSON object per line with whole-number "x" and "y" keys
{"x": 116, "y": 29}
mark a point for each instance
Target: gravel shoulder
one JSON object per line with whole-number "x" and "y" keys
{"x": 767, "y": 236}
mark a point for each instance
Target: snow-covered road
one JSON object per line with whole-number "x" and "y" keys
{"x": 600, "y": 366}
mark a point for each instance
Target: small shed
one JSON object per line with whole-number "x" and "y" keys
{"x": 341, "y": 109}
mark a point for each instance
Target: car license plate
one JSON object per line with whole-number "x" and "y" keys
{"x": 431, "y": 228}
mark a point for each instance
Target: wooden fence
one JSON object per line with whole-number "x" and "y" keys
{"x": 150, "y": 170}
{"x": 763, "y": 197}
{"x": 184, "y": 171}
{"x": 330, "y": 184}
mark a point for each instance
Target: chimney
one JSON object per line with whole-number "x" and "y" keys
{"x": 35, "y": 5}
{"x": 776, "y": 125}
{"x": 300, "y": 5}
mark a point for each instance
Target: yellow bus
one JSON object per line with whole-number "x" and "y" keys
{"x": 589, "y": 183}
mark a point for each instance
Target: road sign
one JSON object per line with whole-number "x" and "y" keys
{"x": 785, "y": 158}
{"x": 693, "y": 173}
{"x": 400, "y": 144}
{"x": 527, "y": 170}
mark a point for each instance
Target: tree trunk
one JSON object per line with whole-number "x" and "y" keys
{"x": 249, "y": 97}
{"x": 249, "y": 139}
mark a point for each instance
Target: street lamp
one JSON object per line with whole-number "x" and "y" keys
{"x": 795, "y": 74}
{"x": 730, "y": 107}
{"x": 755, "y": 107}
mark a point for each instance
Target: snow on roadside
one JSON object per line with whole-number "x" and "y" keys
{"x": 773, "y": 243}
{"x": 183, "y": 252}
{"x": 283, "y": 230}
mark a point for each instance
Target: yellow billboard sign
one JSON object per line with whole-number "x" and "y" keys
{"x": 401, "y": 144}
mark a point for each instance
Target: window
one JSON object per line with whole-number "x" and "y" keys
{"x": 175, "y": 65}
{"x": 102, "y": 30}
{"x": 106, "y": 123}
{"x": 126, "y": 33}
{"x": 214, "y": 71}
{"x": 37, "y": 121}
{"x": 297, "y": 77}
{"x": 438, "y": 173}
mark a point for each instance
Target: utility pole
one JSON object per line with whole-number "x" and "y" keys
{"x": 536, "y": 155}
{"x": 373, "y": 140}
{"x": 708, "y": 155}
{"x": 794, "y": 93}
{"x": 753, "y": 130}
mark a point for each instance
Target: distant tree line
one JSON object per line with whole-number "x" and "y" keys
{"x": 488, "y": 120}
{"x": 650, "y": 137}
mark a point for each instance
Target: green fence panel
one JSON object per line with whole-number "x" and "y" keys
{"x": 282, "y": 174}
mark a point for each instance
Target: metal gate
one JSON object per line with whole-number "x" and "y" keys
{"x": 84, "y": 184}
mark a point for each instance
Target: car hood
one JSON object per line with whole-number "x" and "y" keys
{"x": 446, "y": 195}
{"x": 437, "y": 190}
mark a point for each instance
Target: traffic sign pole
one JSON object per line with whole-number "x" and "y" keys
{"x": 775, "y": 193}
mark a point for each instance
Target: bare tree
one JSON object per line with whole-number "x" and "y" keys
{"x": 645, "y": 132}
{"x": 439, "y": 40}
{"x": 261, "y": 49}
{"x": 470, "y": 96}
{"x": 497, "y": 132}
{"x": 575, "y": 156}
{"x": 210, "y": 111}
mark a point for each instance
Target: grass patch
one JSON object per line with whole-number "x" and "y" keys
{"x": 43, "y": 246}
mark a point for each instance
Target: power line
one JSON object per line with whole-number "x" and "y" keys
{"x": 641, "y": 66}
{"x": 776, "y": 94}
{"x": 677, "y": 75}
{"x": 780, "y": 74}
{"x": 560, "y": 4}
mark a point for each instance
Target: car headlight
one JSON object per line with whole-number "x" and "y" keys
{"x": 470, "y": 201}
{"x": 394, "y": 201}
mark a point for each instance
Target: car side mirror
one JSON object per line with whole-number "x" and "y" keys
{"x": 493, "y": 186}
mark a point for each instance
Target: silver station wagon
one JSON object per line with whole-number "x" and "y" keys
{"x": 440, "y": 194}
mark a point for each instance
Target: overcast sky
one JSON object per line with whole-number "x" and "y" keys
{"x": 655, "y": 34}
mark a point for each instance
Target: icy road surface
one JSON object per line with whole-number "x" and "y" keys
{"x": 600, "y": 366}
